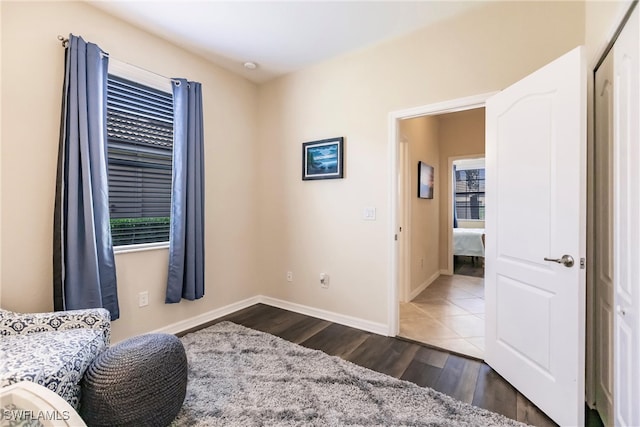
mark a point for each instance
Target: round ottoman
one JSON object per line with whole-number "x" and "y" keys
{"x": 141, "y": 381}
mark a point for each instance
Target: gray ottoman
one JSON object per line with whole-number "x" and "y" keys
{"x": 141, "y": 381}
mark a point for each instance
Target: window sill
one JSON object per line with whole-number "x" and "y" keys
{"x": 141, "y": 247}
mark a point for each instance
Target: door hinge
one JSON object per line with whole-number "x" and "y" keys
{"x": 583, "y": 263}
{"x": 395, "y": 237}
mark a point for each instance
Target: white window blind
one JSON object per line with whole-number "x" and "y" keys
{"x": 140, "y": 153}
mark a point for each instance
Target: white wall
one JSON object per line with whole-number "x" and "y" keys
{"x": 309, "y": 227}
{"x": 32, "y": 74}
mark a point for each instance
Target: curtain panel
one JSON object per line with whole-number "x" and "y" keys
{"x": 84, "y": 267}
{"x": 455, "y": 211}
{"x": 186, "y": 243}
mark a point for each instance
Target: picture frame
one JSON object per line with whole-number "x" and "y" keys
{"x": 426, "y": 180}
{"x": 323, "y": 159}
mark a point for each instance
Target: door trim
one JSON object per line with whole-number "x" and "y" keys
{"x": 394, "y": 117}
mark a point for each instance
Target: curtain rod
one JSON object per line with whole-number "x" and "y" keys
{"x": 64, "y": 40}
{"x": 65, "y": 44}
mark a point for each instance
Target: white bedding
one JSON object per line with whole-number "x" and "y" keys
{"x": 468, "y": 241}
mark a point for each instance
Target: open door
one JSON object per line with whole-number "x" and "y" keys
{"x": 536, "y": 223}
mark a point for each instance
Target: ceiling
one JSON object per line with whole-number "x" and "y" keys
{"x": 279, "y": 36}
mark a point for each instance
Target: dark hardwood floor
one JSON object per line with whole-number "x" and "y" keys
{"x": 465, "y": 379}
{"x": 468, "y": 266}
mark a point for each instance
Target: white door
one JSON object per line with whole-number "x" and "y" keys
{"x": 626, "y": 164}
{"x": 603, "y": 241}
{"x": 536, "y": 209}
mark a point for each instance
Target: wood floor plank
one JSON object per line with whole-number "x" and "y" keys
{"x": 422, "y": 374}
{"x": 255, "y": 316}
{"x": 238, "y": 317}
{"x": 458, "y": 378}
{"x": 282, "y": 321}
{"x": 303, "y": 329}
{"x": 494, "y": 393}
{"x": 529, "y": 413}
{"x": 396, "y": 361}
{"x": 383, "y": 354}
{"x": 432, "y": 357}
{"x": 269, "y": 320}
{"x": 336, "y": 340}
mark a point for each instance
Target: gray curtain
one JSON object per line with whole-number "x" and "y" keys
{"x": 455, "y": 211}
{"x": 186, "y": 247}
{"x": 84, "y": 268}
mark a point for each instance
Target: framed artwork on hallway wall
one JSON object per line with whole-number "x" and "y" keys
{"x": 322, "y": 159}
{"x": 425, "y": 181}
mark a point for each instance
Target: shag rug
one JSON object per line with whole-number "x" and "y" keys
{"x": 242, "y": 377}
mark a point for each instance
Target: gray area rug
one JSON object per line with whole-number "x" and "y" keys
{"x": 242, "y": 377}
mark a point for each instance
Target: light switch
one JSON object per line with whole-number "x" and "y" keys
{"x": 369, "y": 213}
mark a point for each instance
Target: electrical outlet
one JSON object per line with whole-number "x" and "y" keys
{"x": 289, "y": 276}
{"x": 143, "y": 299}
{"x": 324, "y": 280}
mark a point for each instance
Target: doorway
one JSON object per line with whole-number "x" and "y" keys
{"x": 468, "y": 181}
{"x": 438, "y": 307}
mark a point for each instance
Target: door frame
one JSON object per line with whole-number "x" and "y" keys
{"x": 404, "y": 221}
{"x": 394, "y": 137}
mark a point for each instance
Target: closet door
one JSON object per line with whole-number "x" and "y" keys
{"x": 626, "y": 164}
{"x": 603, "y": 247}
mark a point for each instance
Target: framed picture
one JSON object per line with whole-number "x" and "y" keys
{"x": 322, "y": 159}
{"x": 425, "y": 181}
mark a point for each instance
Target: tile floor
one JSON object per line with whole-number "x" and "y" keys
{"x": 447, "y": 314}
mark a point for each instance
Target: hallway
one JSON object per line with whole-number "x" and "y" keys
{"x": 448, "y": 314}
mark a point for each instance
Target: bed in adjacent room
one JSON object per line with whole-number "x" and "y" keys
{"x": 468, "y": 242}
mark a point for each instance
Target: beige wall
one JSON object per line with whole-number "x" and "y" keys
{"x": 602, "y": 18}
{"x": 422, "y": 136}
{"x": 461, "y": 135}
{"x": 309, "y": 227}
{"x": 262, "y": 219}
{"x": 32, "y": 73}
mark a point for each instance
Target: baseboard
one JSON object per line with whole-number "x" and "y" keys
{"x": 203, "y": 318}
{"x": 354, "y": 322}
{"x": 424, "y": 285}
{"x": 446, "y": 273}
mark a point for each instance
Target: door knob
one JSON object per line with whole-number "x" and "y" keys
{"x": 566, "y": 260}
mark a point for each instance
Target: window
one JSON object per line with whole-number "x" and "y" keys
{"x": 140, "y": 154}
{"x": 469, "y": 194}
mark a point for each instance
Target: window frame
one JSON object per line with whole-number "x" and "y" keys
{"x": 155, "y": 81}
{"x": 471, "y": 164}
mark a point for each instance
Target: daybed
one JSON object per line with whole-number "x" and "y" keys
{"x": 52, "y": 349}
